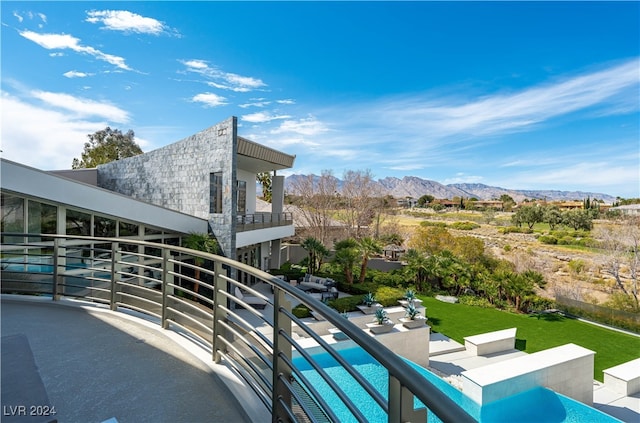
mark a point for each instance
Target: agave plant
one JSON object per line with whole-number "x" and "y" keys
{"x": 411, "y": 312}
{"x": 410, "y": 296}
{"x": 368, "y": 299}
{"x": 380, "y": 316}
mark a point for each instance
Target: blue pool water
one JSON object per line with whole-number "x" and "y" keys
{"x": 538, "y": 405}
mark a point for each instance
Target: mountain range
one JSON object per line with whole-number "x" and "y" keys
{"x": 413, "y": 186}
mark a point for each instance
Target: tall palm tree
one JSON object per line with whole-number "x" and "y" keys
{"x": 368, "y": 247}
{"x": 199, "y": 242}
{"x": 416, "y": 268}
{"x": 346, "y": 257}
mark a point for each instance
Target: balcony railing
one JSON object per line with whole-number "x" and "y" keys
{"x": 194, "y": 292}
{"x": 250, "y": 222}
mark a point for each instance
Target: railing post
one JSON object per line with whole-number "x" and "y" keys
{"x": 166, "y": 253}
{"x": 56, "y": 271}
{"x": 115, "y": 268}
{"x": 219, "y": 284}
{"x": 281, "y": 349}
{"x": 401, "y": 404}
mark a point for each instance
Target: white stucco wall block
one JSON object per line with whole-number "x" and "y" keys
{"x": 625, "y": 378}
{"x": 567, "y": 369}
{"x": 491, "y": 342}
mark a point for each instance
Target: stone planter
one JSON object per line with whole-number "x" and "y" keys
{"x": 413, "y": 323}
{"x": 369, "y": 310}
{"x": 376, "y": 328}
{"x": 416, "y": 303}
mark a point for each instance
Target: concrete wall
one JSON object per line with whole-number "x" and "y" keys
{"x": 177, "y": 177}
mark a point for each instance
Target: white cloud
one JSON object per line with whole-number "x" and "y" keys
{"x": 286, "y": 101}
{"x": 223, "y": 80}
{"x": 255, "y": 102}
{"x": 82, "y": 107}
{"x": 64, "y": 41}
{"x": 76, "y": 74}
{"x": 309, "y": 126}
{"x": 125, "y": 21}
{"x": 209, "y": 99}
{"x": 261, "y": 117}
{"x": 57, "y": 138}
{"x": 18, "y": 16}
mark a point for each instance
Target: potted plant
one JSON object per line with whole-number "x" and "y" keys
{"x": 381, "y": 323}
{"x": 412, "y": 318}
{"x": 369, "y": 304}
{"x": 410, "y": 299}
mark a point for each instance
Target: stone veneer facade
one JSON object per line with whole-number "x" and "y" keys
{"x": 177, "y": 177}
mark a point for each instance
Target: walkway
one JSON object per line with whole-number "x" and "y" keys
{"x": 97, "y": 365}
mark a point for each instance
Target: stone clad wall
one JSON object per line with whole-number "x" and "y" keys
{"x": 177, "y": 177}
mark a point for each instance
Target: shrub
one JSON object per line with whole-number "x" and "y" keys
{"x": 507, "y": 248}
{"x": 388, "y": 279}
{"x": 301, "y": 311}
{"x": 548, "y": 239}
{"x": 475, "y": 301}
{"x": 346, "y": 303}
{"x": 388, "y": 296}
{"x": 437, "y": 224}
{"x": 514, "y": 229}
{"x": 464, "y": 226}
{"x": 566, "y": 240}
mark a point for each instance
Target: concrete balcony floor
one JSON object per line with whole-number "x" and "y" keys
{"x": 97, "y": 365}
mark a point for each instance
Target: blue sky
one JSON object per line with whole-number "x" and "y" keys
{"x": 540, "y": 95}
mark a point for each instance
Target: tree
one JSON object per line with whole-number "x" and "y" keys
{"x": 367, "y": 247}
{"x": 416, "y": 268}
{"x": 577, "y": 219}
{"x": 425, "y": 199}
{"x": 431, "y": 239}
{"x": 105, "y": 146}
{"x": 552, "y": 215}
{"x": 317, "y": 251}
{"x": 507, "y": 202}
{"x": 359, "y": 194}
{"x": 529, "y": 215}
{"x": 346, "y": 256}
{"x": 266, "y": 181}
{"x": 317, "y": 201}
{"x": 200, "y": 242}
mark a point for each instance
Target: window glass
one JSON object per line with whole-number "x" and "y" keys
{"x": 103, "y": 226}
{"x": 215, "y": 192}
{"x": 128, "y": 229}
{"x": 12, "y": 213}
{"x": 242, "y": 196}
{"x": 42, "y": 218}
{"x": 148, "y": 230}
{"x": 78, "y": 223}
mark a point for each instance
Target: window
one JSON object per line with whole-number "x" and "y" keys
{"x": 215, "y": 192}
{"x": 242, "y": 196}
{"x": 78, "y": 223}
{"x": 42, "y": 218}
{"x": 128, "y": 229}
{"x": 12, "y": 213}
{"x": 103, "y": 226}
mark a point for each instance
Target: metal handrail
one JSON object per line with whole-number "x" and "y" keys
{"x": 200, "y": 299}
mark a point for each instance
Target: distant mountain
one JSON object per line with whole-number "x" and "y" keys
{"x": 412, "y": 186}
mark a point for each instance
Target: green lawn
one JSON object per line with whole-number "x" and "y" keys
{"x": 457, "y": 321}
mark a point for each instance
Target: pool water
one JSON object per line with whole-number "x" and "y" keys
{"x": 539, "y": 405}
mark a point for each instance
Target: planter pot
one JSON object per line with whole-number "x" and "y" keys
{"x": 416, "y": 303}
{"x": 412, "y": 324}
{"x": 369, "y": 310}
{"x": 377, "y": 329}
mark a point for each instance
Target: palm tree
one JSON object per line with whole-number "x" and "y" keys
{"x": 367, "y": 247}
{"x": 199, "y": 242}
{"x": 346, "y": 257}
{"x": 317, "y": 251}
{"x": 416, "y": 268}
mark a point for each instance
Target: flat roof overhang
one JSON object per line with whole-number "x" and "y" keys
{"x": 258, "y": 158}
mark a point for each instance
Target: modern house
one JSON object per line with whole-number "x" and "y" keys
{"x": 203, "y": 183}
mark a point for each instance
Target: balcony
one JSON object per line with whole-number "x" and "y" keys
{"x": 254, "y": 221}
{"x": 191, "y": 296}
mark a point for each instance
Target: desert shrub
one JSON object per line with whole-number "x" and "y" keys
{"x": 514, "y": 229}
{"x": 565, "y": 240}
{"x": 507, "y": 248}
{"x": 577, "y": 266}
{"x": 464, "y": 226}
{"x": 539, "y": 303}
{"x": 437, "y": 224}
{"x": 548, "y": 239}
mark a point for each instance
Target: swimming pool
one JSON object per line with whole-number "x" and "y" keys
{"x": 536, "y": 405}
